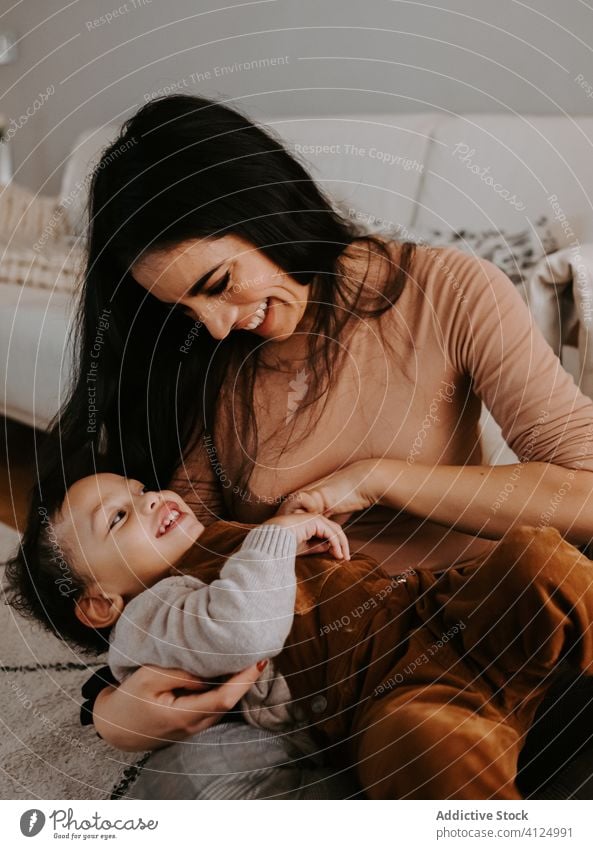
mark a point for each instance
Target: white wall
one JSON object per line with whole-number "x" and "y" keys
{"x": 377, "y": 56}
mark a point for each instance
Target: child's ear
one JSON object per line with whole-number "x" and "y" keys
{"x": 99, "y": 611}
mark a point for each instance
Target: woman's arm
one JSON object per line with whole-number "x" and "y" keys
{"x": 489, "y": 500}
{"x": 491, "y": 337}
{"x": 155, "y": 707}
{"x": 483, "y": 500}
{"x": 545, "y": 419}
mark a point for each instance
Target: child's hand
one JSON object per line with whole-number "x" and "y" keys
{"x": 343, "y": 492}
{"x": 315, "y": 534}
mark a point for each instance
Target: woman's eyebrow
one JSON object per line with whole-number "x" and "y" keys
{"x": 199, "y": 284}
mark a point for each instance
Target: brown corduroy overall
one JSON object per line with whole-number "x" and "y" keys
{"x": 428, "y": 682}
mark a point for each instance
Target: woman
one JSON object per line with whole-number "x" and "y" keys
{"x": 240, "y": 339}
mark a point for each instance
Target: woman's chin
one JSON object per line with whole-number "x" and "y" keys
{"x": 278, "y": 335}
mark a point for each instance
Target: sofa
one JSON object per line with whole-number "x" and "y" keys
{"x": 419, "y": 176}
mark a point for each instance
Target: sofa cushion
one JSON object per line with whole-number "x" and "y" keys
{"x": 33, "y": 351}
{"x": 372, "y": 165}
{"x": 514, "y": 253}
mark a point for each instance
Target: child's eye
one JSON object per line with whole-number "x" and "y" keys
{"x": 116, "y": 519}
{"x": 143, "y": 490}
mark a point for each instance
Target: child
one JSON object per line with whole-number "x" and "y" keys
{"x": 121, "y": 550}
{"x": 426, "y": 683}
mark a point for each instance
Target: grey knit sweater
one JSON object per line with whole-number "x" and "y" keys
{"x": 222, "y": 627}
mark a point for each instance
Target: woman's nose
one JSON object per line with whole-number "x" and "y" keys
{"x": 220, "y": 321}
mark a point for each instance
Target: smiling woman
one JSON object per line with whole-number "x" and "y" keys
{"x": 316, "y": 355}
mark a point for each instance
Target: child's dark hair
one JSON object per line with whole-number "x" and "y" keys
{"x": 41, "y": 582}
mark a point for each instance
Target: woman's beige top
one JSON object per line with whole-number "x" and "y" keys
{"x": 458, "y": 335}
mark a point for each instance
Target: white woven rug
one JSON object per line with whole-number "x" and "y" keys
{"x": 44, "y": 752}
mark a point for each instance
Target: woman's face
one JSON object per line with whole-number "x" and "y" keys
{"x": 226, "y": 284}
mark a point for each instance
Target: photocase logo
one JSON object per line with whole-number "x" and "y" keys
{"x": 32, "y": 822}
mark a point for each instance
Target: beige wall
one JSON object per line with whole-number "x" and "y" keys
{"x": 473, "y": 55}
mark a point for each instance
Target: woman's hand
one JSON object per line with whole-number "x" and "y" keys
{"x": 339, "y": 494}
{"x": 156, "y": 706}
{"x": 315, "y": 534}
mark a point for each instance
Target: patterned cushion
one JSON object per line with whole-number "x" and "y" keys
{"x": 514, "y": 253}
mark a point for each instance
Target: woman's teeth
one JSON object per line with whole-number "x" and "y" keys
{"x": 174, "y": 514}
{"x": 258, "y": 316}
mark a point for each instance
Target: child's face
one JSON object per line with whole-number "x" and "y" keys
{"x": 120, "y": 536}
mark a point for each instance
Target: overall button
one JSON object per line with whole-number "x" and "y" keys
{"x": 318, "y": 704}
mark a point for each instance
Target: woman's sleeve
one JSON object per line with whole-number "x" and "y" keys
{"x": 195, "y": 480}
{"x": 493, "y": 338}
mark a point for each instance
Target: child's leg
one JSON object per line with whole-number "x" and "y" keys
{"x": 429, "y": 744}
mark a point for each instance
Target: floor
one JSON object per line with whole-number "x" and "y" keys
{"x": 17, "y": 465}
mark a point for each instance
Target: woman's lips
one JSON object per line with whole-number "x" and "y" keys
{"x": 269, "y": 303}
{"x": 264, "y": 325}
{"x": 257, "y": 318}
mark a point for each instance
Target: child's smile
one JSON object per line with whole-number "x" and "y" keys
{"x": 170, "y": 518}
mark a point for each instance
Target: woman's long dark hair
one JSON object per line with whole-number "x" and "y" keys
{"x": 184, "y": 168}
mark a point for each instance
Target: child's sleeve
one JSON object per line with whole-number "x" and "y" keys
{"x": 218, "y": 628}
